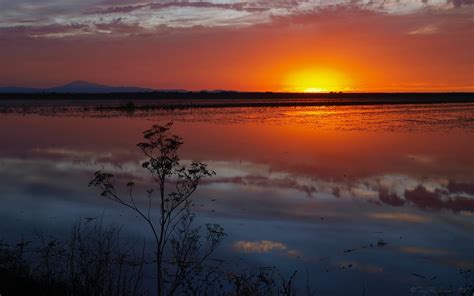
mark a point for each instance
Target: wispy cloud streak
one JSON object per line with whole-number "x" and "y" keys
{"x": 34, "y": 18}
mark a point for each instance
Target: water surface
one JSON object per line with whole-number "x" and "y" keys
{"x": 360, "y": 198}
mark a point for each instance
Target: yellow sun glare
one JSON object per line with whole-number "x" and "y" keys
{"x": 315, "y": 90}
{"x": 317, "y": 81}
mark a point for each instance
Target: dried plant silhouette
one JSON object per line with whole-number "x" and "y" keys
{"x": 92, "y": 261}
{"x": 180, "y": 248}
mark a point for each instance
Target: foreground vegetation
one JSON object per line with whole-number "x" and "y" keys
{"x": 94, "y": 260}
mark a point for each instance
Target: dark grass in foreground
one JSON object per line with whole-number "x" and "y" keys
{"x": 94, "y": 260}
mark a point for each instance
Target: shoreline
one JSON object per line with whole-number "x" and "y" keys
{"x": 171, "y": 101}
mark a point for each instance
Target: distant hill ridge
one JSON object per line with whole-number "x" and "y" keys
{"x": 80, "y": 86}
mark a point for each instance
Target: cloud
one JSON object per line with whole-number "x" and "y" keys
{"x": 71, "y": 153}
{"x": 400, "y": 217}
{"x": 435, "y": 200}
{"x": 425, "y": 30}
{"x": 53, "y": 30}
{"x": 266, "y": 246}
{"x": 267, "y": 182}
{"x": 423, "y": 198}
{"x": 423, "y": 251}
{"x": 119, "y": 26}
{"x": 390, "y": 198}
{"x": 461, "y": 3}
{"x": 238, "y": 6}
{"x": 393, "y": 190}
{"x": 263, "y": 246}
{"x": 460, "y": 187}
{"x": 188, "y": 14}
{"x": 118, "y": 9}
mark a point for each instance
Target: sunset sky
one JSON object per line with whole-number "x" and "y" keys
{"x": 254, "y": 45}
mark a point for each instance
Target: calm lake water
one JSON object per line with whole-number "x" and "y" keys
{"x": 370, "y": 199}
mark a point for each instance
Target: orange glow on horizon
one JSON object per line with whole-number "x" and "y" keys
{"x": 316, "y": 81}
{"x": 321, "y": 54}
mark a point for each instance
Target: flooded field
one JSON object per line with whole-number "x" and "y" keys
{"x": 375, "y": 200}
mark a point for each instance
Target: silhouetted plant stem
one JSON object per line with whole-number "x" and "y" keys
{"x": 177, "y": 248}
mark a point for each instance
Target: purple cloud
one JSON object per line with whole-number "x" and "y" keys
{"x": 425, "y": 199}
{"x": 390, "y": 198}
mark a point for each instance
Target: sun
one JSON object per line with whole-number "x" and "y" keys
{"x": 314, "y": 90}
{"x": 317, "y": 81}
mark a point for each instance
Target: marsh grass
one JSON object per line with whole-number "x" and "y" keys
{"x": 92, "y": 261}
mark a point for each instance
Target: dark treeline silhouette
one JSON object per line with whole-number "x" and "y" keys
{"x": 149, "y": 101}
{"x": 402, "y": 97}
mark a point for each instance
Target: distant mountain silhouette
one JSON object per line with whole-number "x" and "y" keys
{"x": 83, "y": 87}
{"x": 87, "y": 87}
